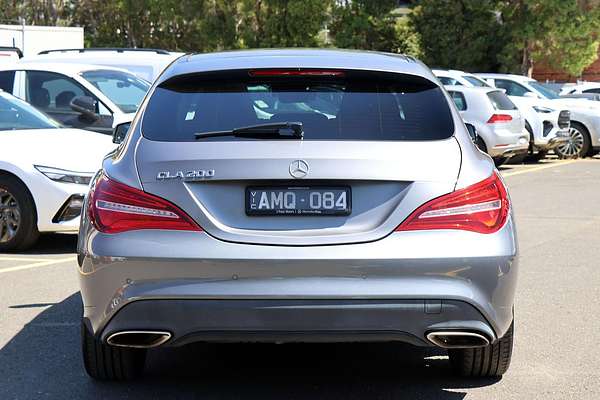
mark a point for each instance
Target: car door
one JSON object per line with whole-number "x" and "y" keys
{"x": 52, "y": 93}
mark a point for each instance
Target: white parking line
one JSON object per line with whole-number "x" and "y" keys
{"x": 37, "y": 264}
{"x": 2, "y": 258}
{"x": 541, "y": 167}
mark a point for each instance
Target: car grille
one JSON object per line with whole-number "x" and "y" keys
{"x": 564, "y": 119}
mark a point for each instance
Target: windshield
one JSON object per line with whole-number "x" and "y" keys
{"x": 544, "y": 91}
{"x": 332, "y": 108}
{"x": 124, "y": 89}
{"x": 15, "y": 114}
{"x": 475, "y": 81}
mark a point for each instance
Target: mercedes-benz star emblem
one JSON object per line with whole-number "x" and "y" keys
{"x": 298, "y": 169}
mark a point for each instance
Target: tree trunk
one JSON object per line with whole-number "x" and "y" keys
{"x": 527, "y": 61}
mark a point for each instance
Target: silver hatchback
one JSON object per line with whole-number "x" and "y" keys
{"x": 297, "y": 196}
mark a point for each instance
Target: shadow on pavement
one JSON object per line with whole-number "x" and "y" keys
{"x": 54, "y": 243}
{"x": 43, "y": 360}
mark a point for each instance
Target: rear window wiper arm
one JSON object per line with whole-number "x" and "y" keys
{"x": 276, "y": 130}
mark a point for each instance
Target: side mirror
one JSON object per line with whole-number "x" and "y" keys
{"x": 120, "y": 132}
{"x": 84, "y": 105}
{"x": 472, "y": 132}
{"x": 531, "y": 95}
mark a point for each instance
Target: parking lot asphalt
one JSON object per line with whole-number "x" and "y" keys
{"x": 556, "y": 354}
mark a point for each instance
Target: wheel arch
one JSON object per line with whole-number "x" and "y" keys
{"x": 14, "y": 174}
{"x": 586, "y": 131}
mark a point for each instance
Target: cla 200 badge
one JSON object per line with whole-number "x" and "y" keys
{"x": 196, "y": 175}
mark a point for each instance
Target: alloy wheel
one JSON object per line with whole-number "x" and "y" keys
{"x": 573, "y": 147}
{"x": 10, "y": 216}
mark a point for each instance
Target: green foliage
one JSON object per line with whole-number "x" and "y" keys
{"x": 563, "y": 33}
{"x": 408, "y": 40}
{"x": 282, "y": 23}
{"x": 508, "y": 35}
{"x": 363, "y": 24}
{"x": 457, "y": 34}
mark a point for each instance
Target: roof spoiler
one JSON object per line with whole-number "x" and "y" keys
{"x": 117, "y": 49}
{"x": 15, "y": 49}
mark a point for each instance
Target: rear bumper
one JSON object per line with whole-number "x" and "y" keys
{"x": 298, "y": 320}
{"x": 509, "y": 151}
{"x": 194, "y": 285}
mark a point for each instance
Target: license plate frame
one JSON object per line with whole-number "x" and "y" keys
{"x": 302, "y": 192}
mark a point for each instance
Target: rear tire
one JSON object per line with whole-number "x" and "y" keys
{"x": 18, "y": 219}
{"x": 110, "y": 363}
{"x": 484, "y": 362}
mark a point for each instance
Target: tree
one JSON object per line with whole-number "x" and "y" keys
{"x": 364, "y": 24}
{"x": 408, "y": 40}
{"x": 563, "y": 33}
{"x": 282, "y": 23}
{"x": 460, "y": 34}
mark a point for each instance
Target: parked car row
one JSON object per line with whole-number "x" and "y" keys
{"x": 278, "y": 196}
{"x": 546, "y": 128}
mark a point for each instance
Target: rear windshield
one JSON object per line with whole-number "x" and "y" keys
{"x": 347, "y": 107}
{"x": 501, "y": 101}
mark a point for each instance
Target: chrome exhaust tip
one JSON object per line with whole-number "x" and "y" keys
{"x": 457, "y": 339}
{"x": 138, "y": 339}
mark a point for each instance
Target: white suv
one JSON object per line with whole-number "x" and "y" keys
{"x": 77, "y": 95}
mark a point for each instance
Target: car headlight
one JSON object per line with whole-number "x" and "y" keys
{"x": 62, "y": 175}
{"x": 543, "y": 110}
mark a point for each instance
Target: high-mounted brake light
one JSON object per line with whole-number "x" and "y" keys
{"x": 482, "y": 207}
{"x": 294, "y": 72}
{"x": 499, "y": 118}
{"x": 114, "y": 207}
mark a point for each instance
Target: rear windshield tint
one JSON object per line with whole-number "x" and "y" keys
{"x": 354, "y": 106}
{"x": 501, "y": 101}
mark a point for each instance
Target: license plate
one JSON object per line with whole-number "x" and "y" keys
{"x": 306, "y": 200}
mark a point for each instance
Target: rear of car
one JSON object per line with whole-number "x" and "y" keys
{"x": 498, "y": 122}
{"x": 297, "y": 195}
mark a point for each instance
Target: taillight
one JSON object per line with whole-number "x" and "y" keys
{"x": 114, "y": 207}
{"x": 294, "y": 72}
{"x": 495, "y": 118}
{"x": 482, "y": 207}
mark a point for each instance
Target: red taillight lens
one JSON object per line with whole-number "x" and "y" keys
{"x": 499, "y": 118}
{"x": 482, "y": 207}
{"x": 294, "y": 72}
{"x": 114, "y": 207}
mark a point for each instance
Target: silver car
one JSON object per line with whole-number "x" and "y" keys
{"x": 498, "y": 122}
{"x": 297, "y": 196}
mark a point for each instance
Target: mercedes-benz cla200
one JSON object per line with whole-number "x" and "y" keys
{"x": 297, "y": 196}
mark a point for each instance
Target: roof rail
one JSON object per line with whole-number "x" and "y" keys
{"x": 15, "y": 49}
{"x": 117, "y": 49}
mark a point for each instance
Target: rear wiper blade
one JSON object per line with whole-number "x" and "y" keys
{"x": 276, "y": 130}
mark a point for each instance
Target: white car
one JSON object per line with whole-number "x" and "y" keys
{"x": 454, "y": 77}
{"x": 499, "y": 125}
{"x": 584, "y": 131}
{"x": 547, "y": 128}
{"x": 81, "y": 96}
{"x": 580, "y": 88}
{"x": 10, "y": 54}
{"x": 44, "y": 173}
{"x": 145, "y": 63}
